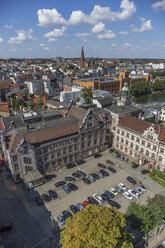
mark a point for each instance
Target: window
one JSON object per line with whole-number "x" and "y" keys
{"x": 126, "y": 142}
{"x": 126, "y": 150}
{"x": 148, "y": 145}
{"x": 28, "y": 168}
{"x": 14, "y": 158}
{"x": 127, "y": 135}
{"x": 130, "y": 153}
{"x": 118, "y": 131}
{"x": 141, "y": 150}
{"x": 122, "y": 132}
{"x": 137, "y": 148}
{"x": 143, "y": 142}
{"x": 154, "y": 148}
{"x": 27, "y": 160}
{"x": 153, "y": 155}
{"x": 132, "y": 137}
{"x": 160, "y": 159}
{"x": 45, "y": 149}
{"x": 147, "y": 153}
{"x": 52, "y": 155}
{"x": 16, "y": 168}
{"x": 122, "y": 140}
{"x": 117, "y": 138}
{"x": 131, "y": 145}
{"x": 121, "y": 147}
{"x": 138, "y": 140}
{"x": 161, "y": 150}
{"x": 114, "y": 128}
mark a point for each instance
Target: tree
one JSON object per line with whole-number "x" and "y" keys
{"x": 139, "y": 88}
{"x": 158, "y": 85}
{"x": 146, "y": 218}
{"x": 93, "y": 227}
{"x": 87, "y": 94}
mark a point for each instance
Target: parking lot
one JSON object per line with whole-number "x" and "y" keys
{"x": 99, "y": 186}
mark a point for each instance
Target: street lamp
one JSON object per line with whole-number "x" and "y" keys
{"x": 52, "y": 221}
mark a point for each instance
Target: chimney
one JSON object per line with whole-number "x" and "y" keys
{"x": 27, "y": 127}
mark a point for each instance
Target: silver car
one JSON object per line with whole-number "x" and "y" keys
{"x": 99, "y": 174}
{"x": 90, "y": 178}
{"x": 138, "y": 190}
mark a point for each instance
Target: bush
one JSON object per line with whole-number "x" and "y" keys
{"x": 158, "y": 176}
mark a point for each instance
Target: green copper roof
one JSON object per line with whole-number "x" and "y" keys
{"x": 125, "y": 88}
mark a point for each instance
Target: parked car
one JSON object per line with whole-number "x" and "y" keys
{"x": 104, "y": 196}
{"x": 105, "y": 173}
{"x": 111, "y": 150}
{"x": 70, "y": 166}
{"x": 145, "y": 172}
{"x": 86, "y": 180}
{"x": 66, "y": 189}
{"x": 118, "y": 155}
{"x": 111, "y": 169}
{"x": 98, "y": 173}
{"x": 114, "y": 204}
{"x": 60, "y": 183}
{"x": 75, "y": 174}
{"x": 46, "y": 197}
{"x": 109, "y": 194}
{"x": 6, "y": 226}
{"x": 134, "y": 166}
{"x": 98, "y": 198}
{"x": 109, "y": 162}
{"x": 70, "y": 179}
{"x": 80, "y": 206}
{"x": 81, "y": 173}
{"x": 97, "y": 155}
{"x": 95, "y": 176}
{"x": 139, "y": 190}
{"x": 143, "y": 188}
{"x": 61, "y": 220}
{"x": 122, "y": 186}
{"x": 113, "y": 191}
{"x": 119, "y": 190}
{"x": 128, "y": 195}
{"x": 66, "y": 214}
{"x": 72, "y": 186}
{"x": 74, "y": 209}
{"x": 131, "y": 180}
{"x": 90, "y": 178}
{"x": 126, "y": 159}
{"x": 39, "y": 200}
{"x": 50, "y": 176}
{"x": 85, "y": 203}
{"x": 92, "y": 200}
{"x": 53, "y": 194}
{"x": 133, "y": 193}
{"x": 101, "y": 165}
{"x": 80, "y": 162}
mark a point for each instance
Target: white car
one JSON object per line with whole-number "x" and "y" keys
{"x": 143, "y": 188}
{"x": 122, "y": 186}
{"x": 128, "y": 195}
{"x": 98, "y": 198}
{"x": 139, "y": 190}
{"x": 133, "y": 193}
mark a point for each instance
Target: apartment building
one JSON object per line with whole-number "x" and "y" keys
{"x": 56, "y": 143}
{"x": 142, "y": 141}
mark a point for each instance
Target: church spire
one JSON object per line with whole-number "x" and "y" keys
{"x": 82, "y": 55}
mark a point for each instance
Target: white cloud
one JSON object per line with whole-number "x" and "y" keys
{"x": 129, "y": 9}
{"x": 126, "y": 45}
{"x": 8, "y": 26}
{"x": 30, "y": 49}
{"x": 123, "y": 33}
{"x": 113, "y": 45}
{"x": 23, "y": 35}
{"x": 159, "y": 5}
{"x": 57, "y": 32}
{"x": 14, "y": 50}
{"x": 82, "y": 35}
{"x": 53, "y": 40}
{"x": 46, "y": 48}
{"x": 100, "y": 27}
{"x": 107, "y": 35}
{"x": 50, "y": 17}
{"x": 145, "y": 26}
{"x": 84, "y": 39}
{"x": 163, "y": 45}
{"x": 1, "y": 39}
{"x": 42, "y": 45}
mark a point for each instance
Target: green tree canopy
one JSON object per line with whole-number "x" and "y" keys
{"x": 146, "y": 218}
{"x": 93, "y": 227}
{"x": 158, "y": 85}
{"x": 139, "y": 88}
{"x": 87, "y": 94}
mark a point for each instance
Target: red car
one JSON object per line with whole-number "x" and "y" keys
{"x": 101, "y": 165}
{"x": 5, "y": 226}
{"x": 85, "y": 203}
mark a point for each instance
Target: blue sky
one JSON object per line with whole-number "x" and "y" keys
{"x": 106, "y": 28}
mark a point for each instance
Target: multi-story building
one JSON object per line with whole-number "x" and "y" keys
{"x": 56, "y": 143}
{"x": 142, "y": 141}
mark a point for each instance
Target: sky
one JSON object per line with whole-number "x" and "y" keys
{"x": 105, "y": 28}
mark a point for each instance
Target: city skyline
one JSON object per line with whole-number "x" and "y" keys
{"x": 125, "y": 29}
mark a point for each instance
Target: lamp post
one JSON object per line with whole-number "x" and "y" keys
{"x": 52, "y": 221}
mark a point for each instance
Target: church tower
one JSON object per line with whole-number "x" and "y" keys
{"x": 82, "y": 58}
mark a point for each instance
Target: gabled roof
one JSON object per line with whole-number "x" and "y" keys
{"x": 79, "y": 113}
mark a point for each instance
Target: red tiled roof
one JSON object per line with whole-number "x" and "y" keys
{"x": 4, "y": 107}
{"x": 79, "y": 113}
